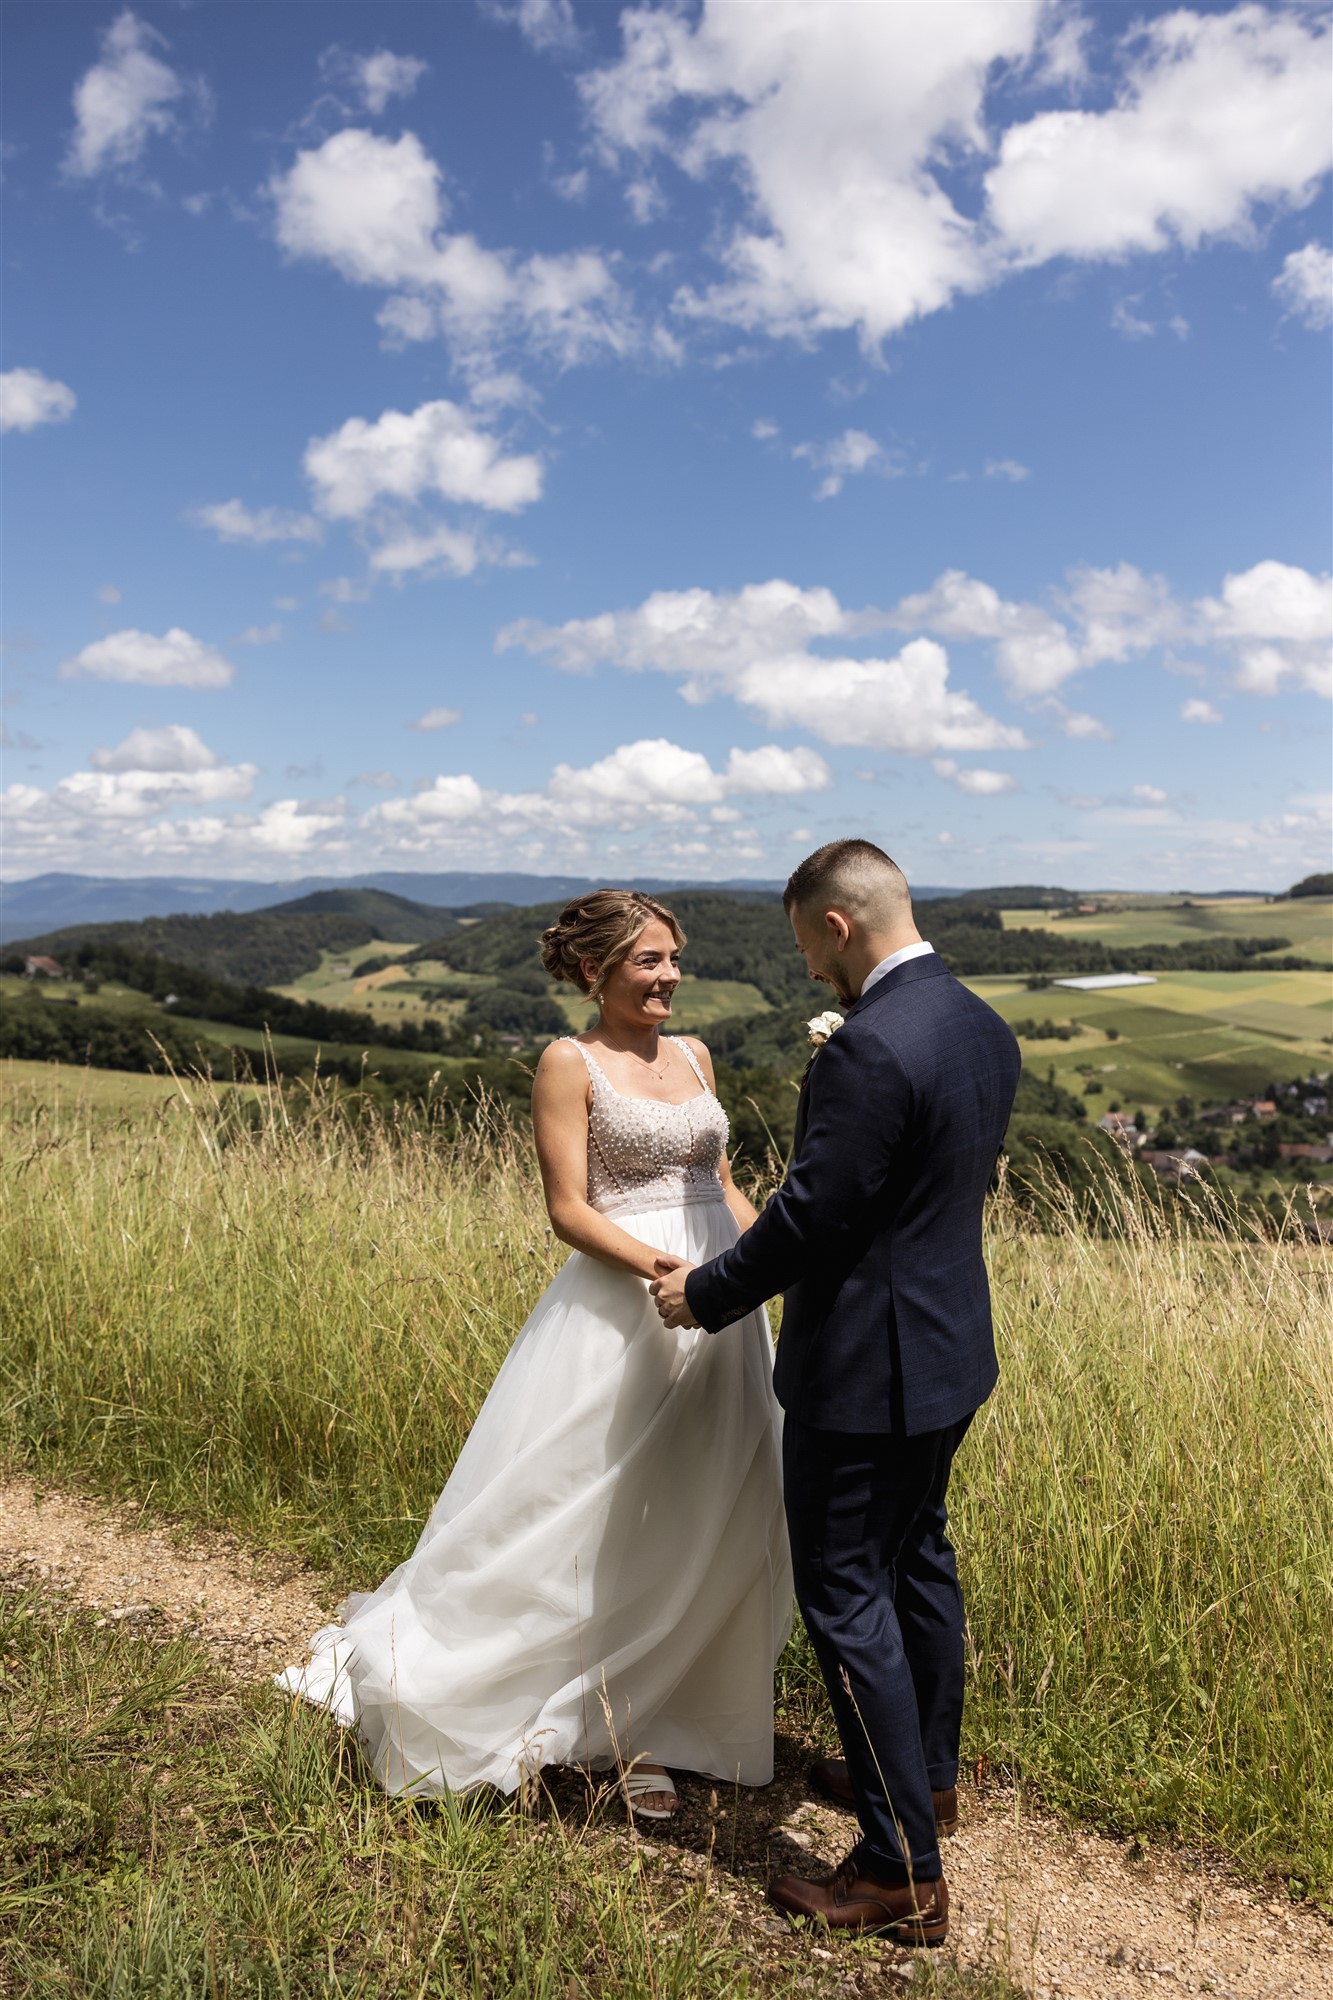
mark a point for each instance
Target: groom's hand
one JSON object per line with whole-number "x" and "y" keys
{"x": 668, "y": 1289}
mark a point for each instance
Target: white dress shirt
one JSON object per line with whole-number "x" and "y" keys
{"x": 894, "y": 958}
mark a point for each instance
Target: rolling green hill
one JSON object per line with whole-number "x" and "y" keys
{"x": 341, "y": 972}
{"x": 750, "y": 940}
{"x": 258, "y": 947}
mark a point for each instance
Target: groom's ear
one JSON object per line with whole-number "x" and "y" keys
{"x": 839, "y": 927}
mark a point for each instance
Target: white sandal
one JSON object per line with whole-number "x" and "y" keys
{"x": 642, "y": 1784}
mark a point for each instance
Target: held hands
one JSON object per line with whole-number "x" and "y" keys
{"x": 668, "y": 1289}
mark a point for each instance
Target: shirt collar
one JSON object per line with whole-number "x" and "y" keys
{"x": 894, "y": 959}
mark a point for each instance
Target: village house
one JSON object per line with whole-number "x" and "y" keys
{"x": 1298, "y": 1150}
{"x": 38, "y": 967}
{"x": 1225, "y": 1114}
{"x": 1123, "y": 1130}
{"x": 1176, "y": 1165}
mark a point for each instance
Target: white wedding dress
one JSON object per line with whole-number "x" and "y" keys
{"x": 605, "y": 1576}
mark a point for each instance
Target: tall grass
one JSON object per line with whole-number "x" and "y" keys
{"x": 289, "y": 1329}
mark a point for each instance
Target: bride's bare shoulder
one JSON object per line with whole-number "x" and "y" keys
{"x": 560, "y": 1054}
{"x": 560, "y": 1063}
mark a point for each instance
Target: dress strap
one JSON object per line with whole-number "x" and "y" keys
{"x": 679, "y": 1042}
{"x": 595, "y": 1070}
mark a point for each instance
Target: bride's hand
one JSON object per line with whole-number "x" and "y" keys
{"x": 668, "y": 1289}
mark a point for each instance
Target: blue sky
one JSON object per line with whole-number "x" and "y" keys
{"x": 657, "y": 440}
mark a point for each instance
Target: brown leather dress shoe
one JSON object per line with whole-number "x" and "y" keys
{"x": 830, "y": 1779}
{"x": 909, "y": 1913}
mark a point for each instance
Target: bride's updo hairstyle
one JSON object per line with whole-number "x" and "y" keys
{"x": 602, "y": 927}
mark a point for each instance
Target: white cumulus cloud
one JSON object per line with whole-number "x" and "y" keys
{"x": 128, "y": 98}
{"x": 376, "y": 78}
{"x": 547, "y": 24}
{"x": 849, "y": 135}
{"x": 1277, "y": 619}
{"x": 1109, "y": 614}
{"x": 653, "y": 781}
{"x": 1305, "y": 285}
{"x": 171, "y": 748}
{"x": 176, "y": 659}
{"x": 754, "y": 646}
{"x": 1034, "y": 652}
{"x": 437, "y": 718}
{"x": 1217, "y": 115}
{"x": 855, "y": 451}
{"x": 830, "y": 120}
{"x": 1196, "y": 710}
{"x": 438, "y": 448}
{"x": 375, "y": 210}
{"x": 233, "y": 521}
{"x": 29, "y": 398}
{"x": 440, "y": 551}
{"x": 977, "y": 783}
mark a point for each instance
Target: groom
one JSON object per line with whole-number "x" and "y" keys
{"x": 874, "y": 1239}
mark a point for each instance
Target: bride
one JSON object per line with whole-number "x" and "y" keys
{"x": 604, "y": 1580}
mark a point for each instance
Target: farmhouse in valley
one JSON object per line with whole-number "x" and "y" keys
{"x": 1123, "y": 1130}
{"x": 37, "y": 967}
{"x": 1099, "y": 982}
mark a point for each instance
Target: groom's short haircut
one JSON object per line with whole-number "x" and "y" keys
{"x": 853, "y": 876}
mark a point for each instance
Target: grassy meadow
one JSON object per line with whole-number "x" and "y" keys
{"x": 288, "y": 1330}
{"x": 1136, "y": 920}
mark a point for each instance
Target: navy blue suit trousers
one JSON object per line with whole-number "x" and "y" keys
{"x": 878, "y": 1588}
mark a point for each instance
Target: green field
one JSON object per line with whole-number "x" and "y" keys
{"x": 1206, "y": 1035}
{"x": 211, "y": 1037}
{"x": 392, "y": 994}
{"x": 1142, "y": 920}
{"x": 54, "y": 1091}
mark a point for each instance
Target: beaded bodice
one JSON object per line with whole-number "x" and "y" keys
{"x": 645, "y": 1154}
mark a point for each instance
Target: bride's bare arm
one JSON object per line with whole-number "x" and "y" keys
{"x": 743, "y": 1209}
{"x": 560, "y": 1099}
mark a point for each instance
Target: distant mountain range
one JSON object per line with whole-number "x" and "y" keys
{"x": 46, "y": 903}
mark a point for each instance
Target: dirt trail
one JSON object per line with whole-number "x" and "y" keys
{"x": 1069, "y": 1913}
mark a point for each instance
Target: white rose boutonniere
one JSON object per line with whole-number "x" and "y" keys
{"x": 822, "y": 1027}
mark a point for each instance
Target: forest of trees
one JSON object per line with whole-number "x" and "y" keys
{"x": 749, "y": 938}
{"x": 199, "y": 994}
{"x": 33, "y": 1031}
{"x": 258, "y": 947}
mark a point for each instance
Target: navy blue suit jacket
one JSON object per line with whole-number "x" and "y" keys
{"x": 874, "y": 1238}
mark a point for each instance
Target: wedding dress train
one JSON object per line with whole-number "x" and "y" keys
{"x": 605, "y": 1575}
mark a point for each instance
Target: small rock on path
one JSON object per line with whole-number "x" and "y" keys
{"x": 1069, "y": 1914}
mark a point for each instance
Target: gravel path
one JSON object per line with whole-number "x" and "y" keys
{"x": 1071, "y": 1914}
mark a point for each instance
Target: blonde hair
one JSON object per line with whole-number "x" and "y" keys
{"x": 602, "y": 927}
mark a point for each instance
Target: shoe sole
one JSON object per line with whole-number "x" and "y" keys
{"x": 944, "y": 1827}
{"x": 929, "y": 1935}
{"x": 903, "y": 1932}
